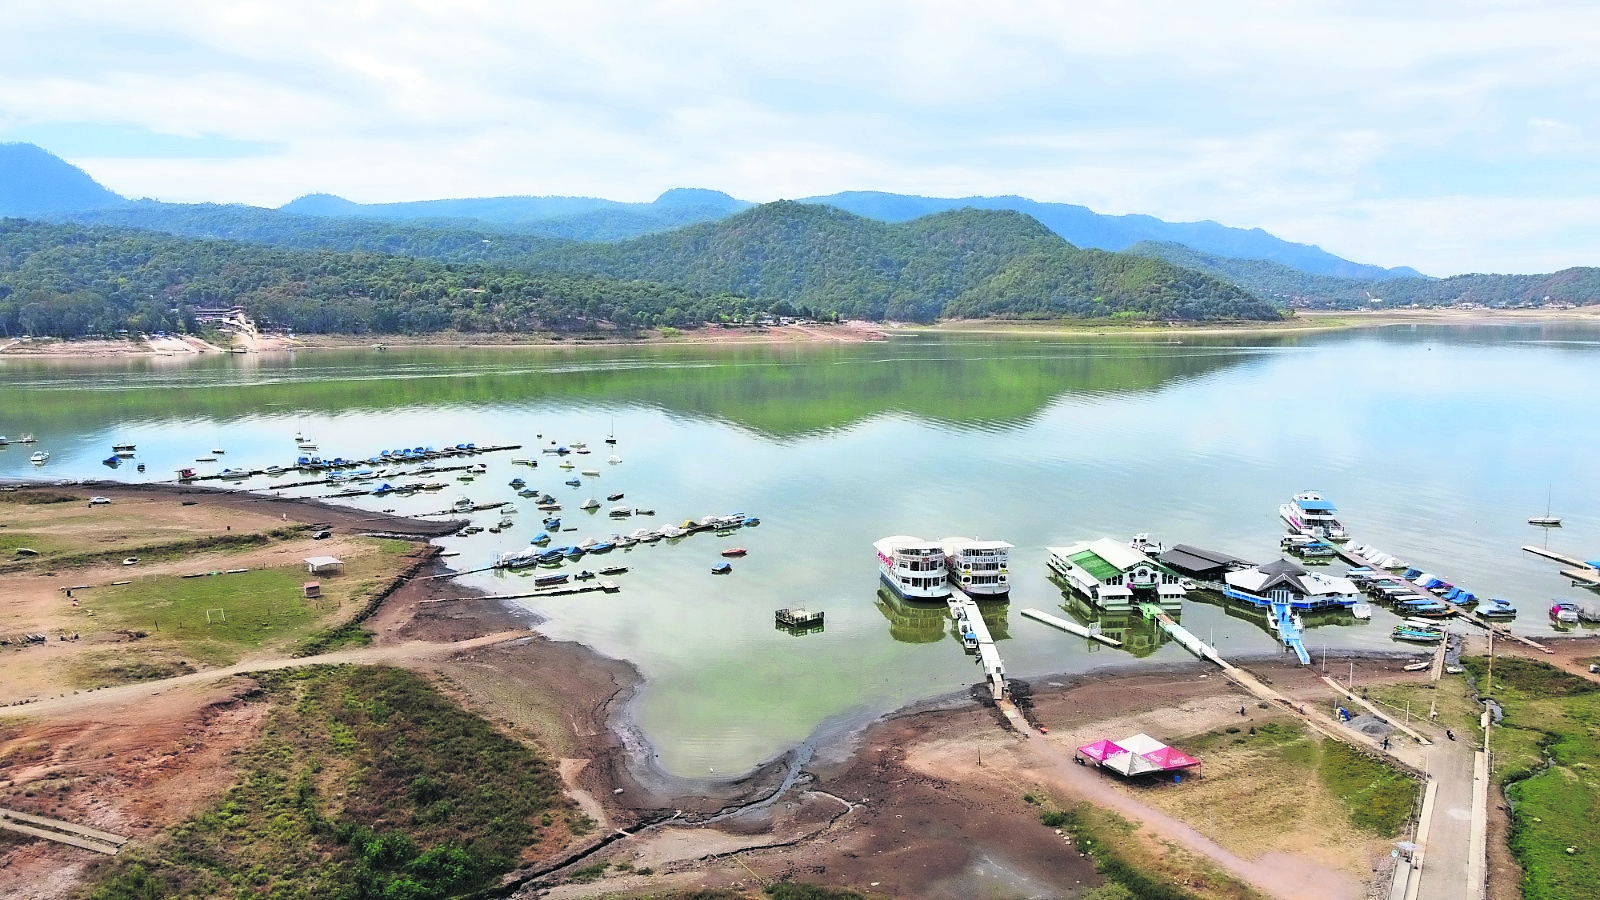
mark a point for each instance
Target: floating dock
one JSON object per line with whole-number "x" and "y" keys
{"x": 1356, "y": 559}
{"x": 1181, "y": 634}
{"x": 1581, "y": 572}
{"x": 1071, "y": 627}
{"x": 964, "y": 609}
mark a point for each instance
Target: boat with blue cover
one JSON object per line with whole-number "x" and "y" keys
{"x": 721, "y": 568}
{"x": 1312, "y": 515}
{"x": 540, "y": 539}
{"x": 1418, "y": 635}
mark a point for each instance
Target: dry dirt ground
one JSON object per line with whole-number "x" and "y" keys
{"x": 34, "y": 599}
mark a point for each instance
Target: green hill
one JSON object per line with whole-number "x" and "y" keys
{"x": 965, "y": 263}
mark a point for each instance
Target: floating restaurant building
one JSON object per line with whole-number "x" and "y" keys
{"x": 1114, "y": 576}
{"x": 1287, "y": 583}
{"x": 981, "y": 568}
{"x": 913, "y": 567}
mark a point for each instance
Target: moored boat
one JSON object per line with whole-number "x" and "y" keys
{"x": 721, "y": 568}
{"x": 913, "y": 567}
{"x": 734, "y": 552}
{"x": 1564, "y": 612}
{"x": 39, "y": 458}
{"x": 1309, "y": 514}
{"x": 981, "y": 568}
{"x": 1496, "y": 608}
{"x": 1418, "y": 635}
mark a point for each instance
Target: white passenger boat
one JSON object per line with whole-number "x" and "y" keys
{"x": 1309, "y": 514}
{"x": 913, "y": 567}
{"x": 981, "y": 568}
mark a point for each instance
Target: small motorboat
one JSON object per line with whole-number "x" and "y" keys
{"x": 573, "y": 482}
{"x": 568, "y": 466}
{"x": 1416, "y": 666}
{"x": 613, "y": 570}
{"x": 524, "y": 461}
{"x": 204, "y": 459}
{"x": 112, "y": 461}
{"x": 614, "y": 459}
{"x": 751, "y": 522}
{"x": 721, "y": 568}
{"x": 1564, "y": 612}
{"x": 275, "y": 470}
{"x": 218, "y": 451}
{"x": 39, "y": 458}
{"x": 552, "y": 556}
{"x": 603, "y": 547}
{"x": 1546, "y": 521}
{"x": 552, "y": 523}
{"x": 592, "y": 473}
{"x": 540, "y": 539}
{"x": 1361, "y": 611}
{"x": 579, "y": 445}
{"x": 585, "y": 575}
{"x": 132, "y": 560}
{"x": 1498, "y": 609}
{"x": 462, "y": 504}
{"x": 543, "y": 581}
{"x": 620, "y": 512}
{"x": 122, "y": 449}
{"x": 590, "y": 503}
{"x": 734, "y": 552}
{"x": 644, "y": 511}
{"x": 614, "y": 497}
{"x": 575, "y": 552}
{"x": 1418, "y": 635}
{"x": 517, "y": 483}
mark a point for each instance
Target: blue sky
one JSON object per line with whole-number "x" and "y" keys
{"x": 1454, "y": 137}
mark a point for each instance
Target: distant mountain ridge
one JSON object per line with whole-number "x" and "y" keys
{"x": 1086, "y": 228}
{"x": 574, "y": 218}
{"x": 34, "y": 182}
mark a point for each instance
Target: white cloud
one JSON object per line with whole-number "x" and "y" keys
{"x": 1366, "y": 128}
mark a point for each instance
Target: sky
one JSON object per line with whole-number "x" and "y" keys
{"x": 1453, "y": 136}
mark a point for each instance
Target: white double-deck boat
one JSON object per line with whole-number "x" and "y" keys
{"x": 981, "y": 568}
{"x": 913, "y": 567}
{"x": 1309, "y": 514}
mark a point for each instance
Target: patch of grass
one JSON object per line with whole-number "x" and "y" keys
{"x": 257, "y": 607}
{"x": 11, "y": 540}
{"x": 39, "y": 498}
{"x": 1378, "y": 797}
{"x": 1546, "y": 752}
{"x": 796, "y": 890}
{"x": 366, "y": 783}
{"x": 326, "y": 640}
{"x": 125, "y": 666}
{"x": 1094, "y": 832}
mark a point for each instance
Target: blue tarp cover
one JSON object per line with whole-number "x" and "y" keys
{"x": 1317, "y": 506}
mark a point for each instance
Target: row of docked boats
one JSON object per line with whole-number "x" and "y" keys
{"x": 540, "y": 553}
{"x": 918, "y": 569}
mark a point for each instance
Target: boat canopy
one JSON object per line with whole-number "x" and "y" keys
{"x": 1317, "y": 506}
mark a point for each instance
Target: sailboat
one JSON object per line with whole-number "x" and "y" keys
{"x": 1546, "y": 520}
{"x": 611, "y": 436}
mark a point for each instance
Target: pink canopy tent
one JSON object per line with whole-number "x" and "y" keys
{"x": 1100, "y": 750}
{"x": 1170, "y": 758}
{"x": 1130, "y": 764}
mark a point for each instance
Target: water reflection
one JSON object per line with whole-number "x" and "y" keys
{"x": 912, "y": 622}
{"x": 1140, "y": 636}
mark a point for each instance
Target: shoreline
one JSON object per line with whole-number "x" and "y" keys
{"x": 850, "y": 332}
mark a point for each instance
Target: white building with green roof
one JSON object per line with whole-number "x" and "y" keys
{"x": 1114, "y": 576}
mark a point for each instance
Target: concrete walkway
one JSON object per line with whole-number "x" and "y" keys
{"x": 1453, "y": 846}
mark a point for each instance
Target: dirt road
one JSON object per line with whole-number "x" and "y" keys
{"x": 129, "y": 694}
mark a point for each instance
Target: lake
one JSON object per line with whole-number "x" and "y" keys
{"x": 1437, "y": 443}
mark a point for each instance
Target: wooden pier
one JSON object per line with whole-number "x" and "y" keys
{"x": 1071, "y": 627}
{"x": 1580, "y": 573}
{"x": 1357, "y": 559}
{"x": 427, "y": 457}
{"x": 964, "y": 608}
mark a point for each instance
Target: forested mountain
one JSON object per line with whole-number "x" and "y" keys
{"x": 33, "y": 181}
{"x": 964, "y": 263}
{"x": 1086, "y": 228}
{"x": 1289, "y": 287}
{"x": 71, "y": 280}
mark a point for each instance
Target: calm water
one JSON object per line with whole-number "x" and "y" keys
{"x": 1437, "y": 444}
